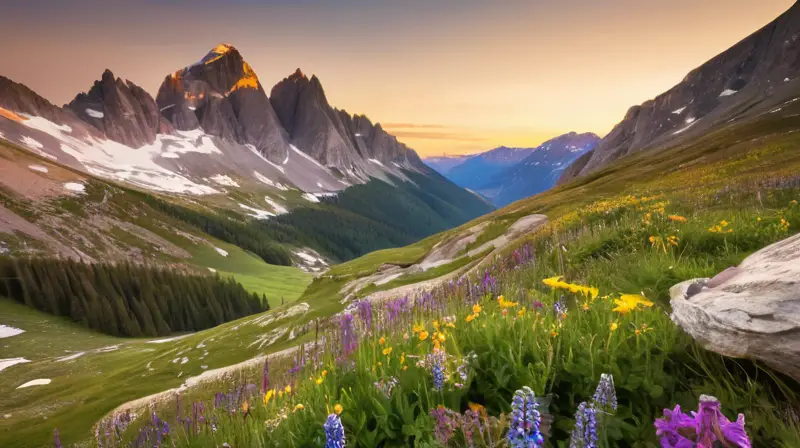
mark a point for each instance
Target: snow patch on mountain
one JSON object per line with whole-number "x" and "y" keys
{"x": 679, "y": 111}
{"x": 75, "y": 187}
{"x": 7, "y": 331}
{"x": 257, "y": 213}
{"x": 31, "y": 143}
{"x": 222, "y": 252}
{"x": 95, "y": 114}
{"x": 112, "y": 160}
{"x": 276, "y": 207}
{"x": 728, "y": 92}
{"x": 39, "y": 168}
{"x": 222, "y": 179}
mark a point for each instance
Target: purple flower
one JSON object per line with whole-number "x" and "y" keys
{"x": 606, "y": 394}
{"x": 445, "y": 424}
{"x": 560, "y": 307}
{"x": 56, "y": 439}
{"x": 584, "y": 435}
{"x": 702, "y": 429}
{"x": 348, "y": 334}
{"x": 523, "y": 430}
{"x": 334, "y": 432}
{"x": 364, "y": 308}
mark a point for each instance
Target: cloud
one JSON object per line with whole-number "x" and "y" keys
{"x": 430, "y": 135}
{"x": 413, "y": 126}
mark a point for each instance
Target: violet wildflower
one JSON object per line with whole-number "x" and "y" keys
{"x": 264, "y": 378}
{"x": 606, "y": 394}
{"x": 386, "y": 386}
{"x": 349, "y": 340}
{"x": 713, "y": 426}
{"x": 584, "y": 435}
{"x": 56, "y": 439}
{"x": 334, "y": 432}
{"x": 364, "y": 308}
{"x": 445, "y": 424}
{"x": 523, "y": 430}
{"x": 673, "y": 427}
{"x": 560, "y": 307}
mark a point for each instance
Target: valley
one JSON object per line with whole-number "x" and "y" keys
{"x": 225, "y": 264}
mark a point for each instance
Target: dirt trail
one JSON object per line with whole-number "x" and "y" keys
{"x": 524, "y": 225}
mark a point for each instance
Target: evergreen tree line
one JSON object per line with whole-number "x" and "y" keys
{"x": 358, "y": 220}
{"x": 126, "y": 300}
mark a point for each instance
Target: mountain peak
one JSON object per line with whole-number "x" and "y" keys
{"x": 218, "y": 52}
{"x": 297, "y": 75}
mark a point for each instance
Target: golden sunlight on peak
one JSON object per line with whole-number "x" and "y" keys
{"x": 248, "y": 81}
{"x": 11, "y": 115}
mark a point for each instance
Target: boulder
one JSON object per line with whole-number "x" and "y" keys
{"x": 750, "y": 311}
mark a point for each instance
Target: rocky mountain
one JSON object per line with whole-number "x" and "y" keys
{"x": 213, "y": 137}
{"x": 121, "y": 110}
{"x": 504, "y": 175}
{"x": 444, "y": 164}
{"x": 756, "y": 75}
{"x": 475, "y": 171}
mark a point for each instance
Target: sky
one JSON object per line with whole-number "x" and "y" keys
{"x": 444, "y": 76}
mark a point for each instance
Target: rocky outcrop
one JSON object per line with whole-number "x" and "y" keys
{"x": 18, "y": 98}
{"x": 222, "y": 94}
{"x": 373, "y": 142}
{"x": 750, "y": 311}
{"x": 754, "y": 74}
{"x": 121, "y": 110}
{"x": 313, "y": 125}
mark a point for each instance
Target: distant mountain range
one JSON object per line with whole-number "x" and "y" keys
{"x": 213, "y": 136}
{"x": 504, "y": 175}
{"x": 757, "y": 75}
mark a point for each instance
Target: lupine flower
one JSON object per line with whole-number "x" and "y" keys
{"x": 364, "y": 308}
{"x": 386, "y": 386}
{"x": 673, "y": 426}
{"x": 56, "y": 439}
{"x": 560, "y": 307}
{"x": 348, "y": 334}
{"x": 523, "y": 430}
{"x": 438, "y": 375}
{"x": 584, "y": 435}
{"x": 606, "y": 394}
{"x": 334, "y": 432}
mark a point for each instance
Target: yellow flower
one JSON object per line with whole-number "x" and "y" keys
{"x": 245, "y": 407}
{"x": 405, "y": 368}
{"x": 387, "y": 350}
{"x": 553, "y": 282}
{"x": 324, "y": 373}
{"x": 338, "y": 409}
{"x": 470, "y": 318}
{"x": 380, "y": 364}
{"x": 382, "y": 340}
{"x": 614, "y": 326}
{"x": 554, "y": 333}
{"x": 417, "y": 328}
{"x": 423, "y": 335}
{"x": 477, "y": 308}
{"x": 476, "y": 408}
{"x": 637, "y": 332}
{"x": 521, "y": 312}
{"x": 280, "y": 393}
{"x": 299, "y": 407}
{"x": 629, "y": 302}
{"x": 440, "y": 337}
{"x": 319, "y": 381}
{"x": 268, "y": 396}
{"x": 586, "y": 307}
{"x": 677, "y": 218}
{"x": 402, "y": 358}
{"x": 288, "y": 389}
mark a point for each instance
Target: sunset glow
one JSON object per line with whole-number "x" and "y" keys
{"x": 444, "y": 76}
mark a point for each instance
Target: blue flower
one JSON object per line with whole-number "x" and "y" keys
{"x": 584, "y": 435}
{"x": 334, "y": 432}
{"x": 606, "y": 394}
{"x": 524, "y": 431}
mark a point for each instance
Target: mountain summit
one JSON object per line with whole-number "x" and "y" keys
{"x": 222, "y": 94}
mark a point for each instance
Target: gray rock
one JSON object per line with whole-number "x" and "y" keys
{"x": 752, "y": 311}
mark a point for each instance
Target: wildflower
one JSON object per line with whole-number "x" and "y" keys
{"x": 525, "y": 420}
{"x": 382, "y": 340}
{"x": 402, "y": 358}
{"x": 560, "y": 307}
{"x": 677, "y": 218}
{"x": 506, "y": 303}
{"x": 338, "y": 409}
{"x": 614, "y": 326}
{"x": 553, "y": 282}
{"x": 673, "y": 240}
{"x": 324, "y": 373}
{"x": 606, "y": 394}
{"x": 784, "y": 225}
{"x": 445, "y": 424}
{"x": 521, "y": 312}
{"x": 417, "y": 328}
{"x": 265, "y": 377}
{"x": 704, "y": 428}
{"x": 56, "y": 439}
{"x": 268, "y": 396}
{"x": 387, "y": 351}
{"x": 629, "y": 302}
{"x": 477, "y": 308}
{"x": 470, "y": 318}
{"x": 245, "y": 407}
{"x": 288, "y": 389}
{"x": 423, "y": 335}
{"x": 438, "y": 375}
{"x": 584, "y": 435}
{"x": 441, "y": 337}
{"x": 299, "y": 407}
{"x": 586, "y": 307}
{"x": 405, "y": 336}
{"x": 334, "y": 432}
{"x": 319, "y": 381}
{"x": 386, "y": 386}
